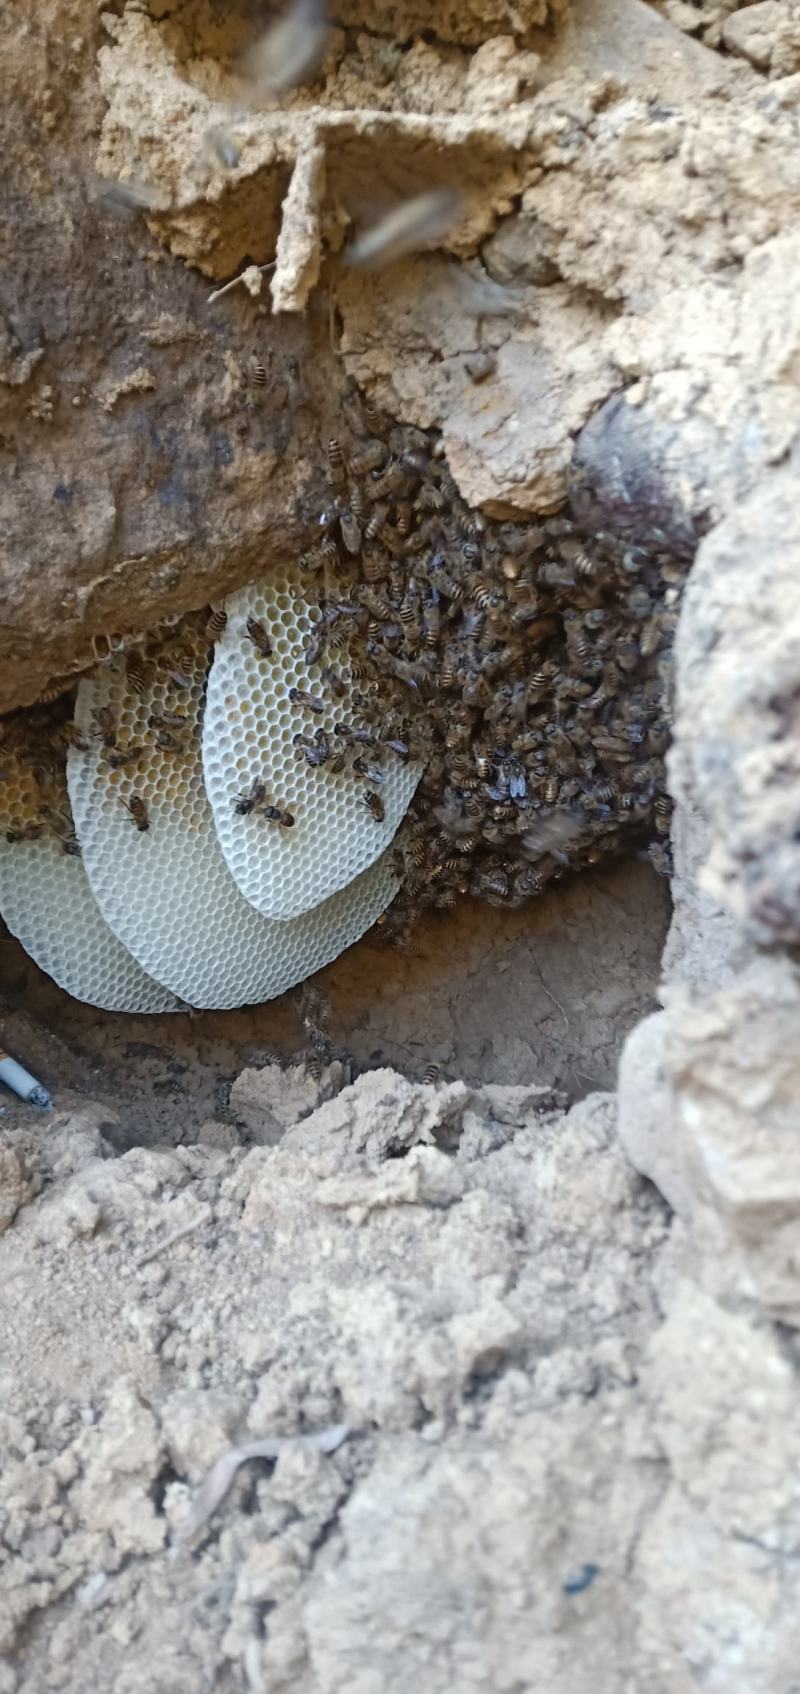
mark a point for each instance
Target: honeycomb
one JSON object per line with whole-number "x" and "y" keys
{"x": 47, "y": 903}
{"x": 250, "y": 725}
{"x": 166, "y": 890}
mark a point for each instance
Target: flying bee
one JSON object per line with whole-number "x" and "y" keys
{"x": 250, "y": 799}
{"x": 117, "y": 758}
{"x": 371, "y": 773}
{"x": 277, "y": 814}
{"x": 258, "y": 374}
{"x": 312, "y": 702}
{"x": 138, "y": 811}
{"x": 430, "y": 1076}
{"x": 215, "y": 627}
{"x": 374, "y": 805}
{"x": 259, "y": 637}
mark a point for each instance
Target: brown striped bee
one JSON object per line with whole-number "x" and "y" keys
{"x": 136, "y": 675}
{"x": 258, "y": 374}
{"x": 337, "y": 469}
{"x": 215, "y": 627}
{"x": 374, "y": 805}
{"x": 259, "y": 637}
{"x": 138, "y": 811}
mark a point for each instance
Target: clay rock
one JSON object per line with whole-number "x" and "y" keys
{"x": 15, "y": 1183}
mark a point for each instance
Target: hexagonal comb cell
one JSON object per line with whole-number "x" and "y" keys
{"x": 250, "y": 736}
{"x": 47, "y": 903}
{"x": 165, "y": 888}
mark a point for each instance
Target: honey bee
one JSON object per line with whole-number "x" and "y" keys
{"x": 168, "y": 720}
{"x": 371, "y": 773}
{"x": 25, "y": 832}
{"x": 106, "y": 722}
{"x": 277, "y": 815}
{"x": 350, "y": 529}
{"x": 430, "y": 1076}
{"x": 136, "y": 675}
{"x": 400, "y": 749}
{"x": 117, "y": 758}
{"x": 259, "y": 637}
{"x": 374, "y": 805}
{"x": 250, "y": 799}
{"x": 316, "y": 751}
{"x": 314, "y": 648}
{"x": 215, "y": 627}
{"x": 312, "y": 702}
{"x": 370, "y": 458}
{"x": 337, "y": 469}
{"x": 138, "y": 811}
{"x": 258, "y": 374}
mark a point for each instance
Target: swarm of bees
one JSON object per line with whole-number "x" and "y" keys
{"x": 525, "y": 667}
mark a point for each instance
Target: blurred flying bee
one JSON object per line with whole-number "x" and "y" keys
{"x": 250, "y": 799}
{"x": 312, "y": 702}
{"x": 215, "y": 627}
{"x": 138, "y": 811}
{"x": 259, "y": 637}
{"x": 374, "y": 805}
{"x": 430, "y": 1075}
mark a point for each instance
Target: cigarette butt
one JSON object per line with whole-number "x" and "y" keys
{"x": 17, "y": 1078}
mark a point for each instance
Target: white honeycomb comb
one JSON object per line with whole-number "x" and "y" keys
{"x": 250, "y": 723}
{"x": 166, "y": 891}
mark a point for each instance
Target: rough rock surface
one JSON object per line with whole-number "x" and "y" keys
{"x": 570, "y": 1392}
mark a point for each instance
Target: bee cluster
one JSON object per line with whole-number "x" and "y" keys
{"x": 525, "y": 667}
